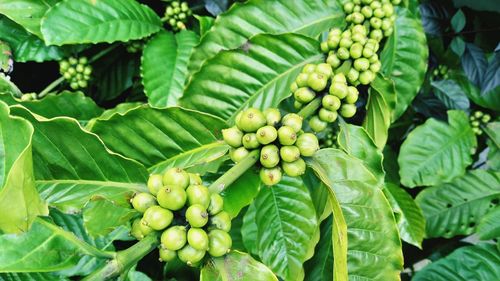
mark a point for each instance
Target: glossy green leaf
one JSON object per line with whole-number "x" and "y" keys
{"x": 241, "y": 192}
{"x": 319, "y": 194}
{"x": 236, "y": 264}
{"x": 32, "y": 276}
{"x": 164, "y": 66}
{"x": 436, "y": 151}
{"x": 474, "y": 63}
{"x": 456, "y": 208}
{"x": 489, "y": 227}
{"x": 205, "y": 23}
{"x": 20, "y": 202}
{"x": 458, "y": 21}
{"x": 8, "y": 88}
{"x": 374, "y": 248}
{"x": 257, "y": 75}
{"x": 320, "y": 267}
{"x": 479, "y": 262}
{"x": 101, "y": 216}
{"x": 379, "y": 110}
{"x": 244, "y": 20}
{"x": 83, "y": 21}
{"x": 70, "y": 170}
{"x": 27, "y": 13}
{"x": 249, "y": 230}
{"x": 450, "y": 93}
{"x": 411, "y": 222}
{"x": 163, "y": 138}
{"x": 493, "y": 132}
{"x": 121, "y": 108}
{"x": 404, "y": 58}
{"x": 490, "y": 99}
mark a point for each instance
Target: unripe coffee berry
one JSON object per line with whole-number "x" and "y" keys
{"x": 353, "y": 76}
{"x": 361, "y": 64}
{"x": 366, "y": 77}
{"x": 287, "y": 135}
{"x": 190, "y": 255}
{"x": 269, "y": 156}
{"x": 345, "y": 43}
{"x": 232, "y": 136}
{"x": 196, "y": 215}
{"x": 157, "y": 217}
{"x": 309, "y": 68}
{"x": 327, "y": 115}
{"x": 155, "y": 182}
{"x": 343, "y": 53}
{"x": 308, "y": 144}
{"x": 221, "y": 221}
{"x": 237, "y": 154}
{"x": 142, "y": 201}
{"x": 333, "y": 60}
{"x": 331, "y": 102}
{"x": 273, "y": 115}
{"x": 172, "y": 197}
{"x": 251, "y": 120}
{"x": 289, "y": 153}
{"x": 174, "y": 238}
{"x": 356, "y": 50}
{"x": 294, "y": 121}
{"x": 216, "y": 204}
{"x": 198, "y": 194}
{"x": 347, "y": 110}
{"x": 167, "y": 255}
{"x": 270, "y": 176}
{"x": 194, "y": 179}
{"x": 316, "y": 124}
{"x": 197, "y": 238}
{"x": 338, "y": 89}
{"x": 176, "y": 176}
{"x": 317, "y": 81}
{"x": 266, "y": 135}
{"x": 294, "y": 169}
{"x": 324, "y": 69}
{"x": 219, "y": 243}
{"x": 250, "y": 141}
{"x": 301, "y": 80}
{"x": 340, "y": 77}
{"x": 304, "y": 95}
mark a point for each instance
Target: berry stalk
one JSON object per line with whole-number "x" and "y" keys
{"x": 235, "y": 172}
{"x": 50, "y": 87}
{"x": 310, "y": 108}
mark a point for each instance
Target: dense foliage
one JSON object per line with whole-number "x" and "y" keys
{"x": 249, "y": 140}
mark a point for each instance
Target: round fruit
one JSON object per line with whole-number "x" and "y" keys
{"x": 219, "y": 243}
{"x": 375, "y": 67}
{"x": 145, "y": 229}
{"x": 273, "y": 115}
{"x": 309, "y": 68}
{"x": 172, "y": 197}
{"x": 307, "y": 144}
{"x": 317, "y": 124}
{"x": 250, "y": 141}
{"x": 356, "y": 50}
{"x": 359, "y": 38}
{"x": 196, "y": 215}
{"x": 343, "y": 53}
{"x": 338, "y": 89}
{"x": 174, "y": 238}
{"x": 190, "y": 255}
{"x": 304, "y": 95}
{"x": 333, "y": 60}
{"x": 324, "y": 69}
{"x": 352, "y": 95}
{"x": 294, "y": 169}
{"x": 333, "y": 42}
{"x": 339, "y": 77}
{"x": 317, "y": 81}
{"x": 269, "y": 156}
{"x": 301, "y": 80}
{"x": 348, "y": 110}
{"x": 216, "y": 204}
{"x": 142, "y": 201}
{"x": 327, "y": 115}
{"x": 232, "y": 136}
{"x": 176, "y": 176}
{"x": 366, "y": 77}
{"x": 267, "y": 134}
{"x": 251, "y": 120}
{"x": 155, "y": 183}
{"x": 270, "y": 176}
{"x": 297, "y": 104}
{"x": 238, "y": 154}
{"x": 157, "y": 217}
{"x": 289, "y": 153}
{"x": 324, "y": 47}
{"x": 293, "y": 88}
{"x": 198, "y": 239}
{"x": 167, "y": 255}
{"x": 345, "y": 42}
{"x": 221, "y": 221}
{"x": 194, "y": 179}
{"x": 136, "y": 230}
{"x": 286, "y": 136}
{"x": 361, "y": 64}
{"x": 198, "y": 194}
{"x": 294, "y": 121}
{"x": 331, "y": 102}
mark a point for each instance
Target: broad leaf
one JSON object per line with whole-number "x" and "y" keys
{"x": 205, "y": 23}
{"x": 451, "y": 94}
{"x": 241, "y": 192}
{"x": 286, "y": 222}
{"x": 27, "y": 13}
{"x": 456, "y": 208}
{"x": 489, "y": 99}
{"x": 32, "y": 276}
{"x": 163, "y": 138}
{"x": 257, "y": 75}
{"x": 458, "y": 21}
{"x": 101, "y": 216}
{"x": 320, "y": 267}
{"x": 489, "y": 227}
{"x": 83, "y": 21}
{"x": 434, "y": 16}
{"x": 404, "y": 58}
{"x": 374, "y": 248}
{"x": 20, "y": 203}
{"x": 379, "y": 110}
{"x": 436, "y": 152}
{"x": 70, "y": 170}
{"x": 234, "y": 27}
{"x": 493, "y": 132}
{"x": 249, "y": 230}
{"x": 8, "y": 88}
{"x": 236, "y": 264}
{"x": 411, "y": 222}
{"x": 164, "y": 66}
{"x": 491, "y": 81}
{"x": 474, "y": 63}
{"x": 479, "y": 262}
{"x": 121, "y": 108}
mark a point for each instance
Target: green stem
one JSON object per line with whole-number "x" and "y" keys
{"x": 125, "y": 259}
{"x": 51, "y": 87}
{"x": 344, "y": 68}
{"x": 235, "y": 172}
{"x": 310, "y": 108}
{"x": 103, "y": 53}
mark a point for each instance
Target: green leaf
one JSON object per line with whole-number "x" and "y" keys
{"x": 493, "y": 132}
{"x": 489, "y": 227}
{"x": 478, "y": 5}
{"x": 32, "y": 276}
{"x": 121, "y": 108}
{"x": 249, "y": 230}
{"x": 458, "y": 21}
{"x": 164, "y": 66}
{"x": 236, "y": 264}
{"x": 70, "y": 170}
{"x": 374, "y": 248}
{"x": 450, "y": 93}
{"x": 404, "y": 58}
{"x": 457, "y": 45}
{"x": 101, "y": 216}
{"x": 8, "y": 88}
{"x": 257, "y": 75}
{"x": 286, "y": 221}
{"x": 436, "y": 152}
{"x": 411, "y": 222}
{"x": 71, "y": 104}
{"x": 244, "y": 20}
{"x": 490, "y": 99}
{"x": 83, "y": 21}
{"x": 320, "y": 267}
{"x": 20, "y": 202}
{"x": 205, "y": 23}
{"x": 241, "y": 192}
{"x": 479, "y": 262}
{"x": 163, "y": 138}
{"x": 474, "y": 63}
{"x": 456, "y": 208}
{"x": 27, "y": 13}
{"x": 379, "y": 110}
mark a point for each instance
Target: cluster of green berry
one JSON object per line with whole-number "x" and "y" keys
{"x": 76, "y": 72}
{"x": 134, "y": 46}
{"x": 280, "y": 140}
{"x": 330, "y": 140}
{"x": 440, "y": 72}
{"x": 185, "y": 210}
{"x": 177, "y": 14}
{"x": 477, "y": 119}
{"x": 378, "y": 15}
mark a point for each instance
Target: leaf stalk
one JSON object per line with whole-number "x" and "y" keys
{"x": 235, "y": 172}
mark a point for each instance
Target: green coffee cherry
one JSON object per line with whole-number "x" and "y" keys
{"x": 221, "y": 221}
{"x": 294, "y": 121}
{"x": 301, "y": 80}
{"x": 307, "y": 144}
{"x": 198, "y": 194}
{"x": 324, "y": 47}
{"x": 190, "y": 255}
{"x": 361, "y": 64}
{"x": 270, "y": 176}
{"x": 297, "y": 105}
{"x": 338, "y": 89}
{"x": 174, "y": 238}
{"x": 145, "y": 229}
{"x": 216, "y": 204}
{"x": 376, "y": 23}
{"x": 293, "y": 88}
{"x": 198, "y": 239}
{"x": 353, "y": 76}
{"x": 325, "y": 69}
{"x": 195, "y": 179}
{"x": 327, "y": 115}
{"x": 367, "y": 11}
{"x": 316, "y": 124}
{"x": 333, "y": 42}
{"x": 273, "y": 115}
{"x": 219, "y": 243}
{"x": 250, "y": 141}
{"x": 330, "y": 102}
{"x": 135, "y": 231}
{"x": 343, "y": 53}
{"x": 352, "y": 95}
{"x": 309, "y": 68}
{"x": 238, "y": 154}
{"x": 347, "y": 110}
{"x": 317, "y": 81}
{"x": 294, "y": 169}
{"x": 172, "y": 197}
{"x": 232, "y": 136}
{"x": 345, "y": 42}
{"x": 157, "y": 217}
{"x": 289, "y": 153}
{"x": 155, "y": 183}
{"x": 269, "y": 156}
{"x": 251, "y": 120}
{"x": 304, "y": 95}
{"x": 196, "y": 215}
{"x": 266, "y": 135}
{"x": 356, "y": 50}
{"x": 142, "y": 201}
{"x": 375, "y": 67}
{"x": 176, "y": 176}
{"x": 286, "y": 135}
{"x": 167, "y": 255}
{"x": 333, "y": 60}
{"x": 366, "y": 77}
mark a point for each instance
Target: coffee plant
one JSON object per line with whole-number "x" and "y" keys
{"x": 249, "y": 140}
